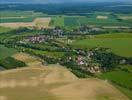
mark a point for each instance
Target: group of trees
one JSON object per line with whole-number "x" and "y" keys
{"x": 10, "y": 63}
{"x": 108, "y": 59}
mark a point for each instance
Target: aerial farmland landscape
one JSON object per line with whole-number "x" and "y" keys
{"x": 65, "y": 50}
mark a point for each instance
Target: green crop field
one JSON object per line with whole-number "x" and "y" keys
{"x": 121, "y": 77}
{"x": 97, "y": 18}
{"x": 6, "y": 52}
{"x": 57, "y": 21}
{"x": 50, "y": 54}
{"x": 102, "y": 18}
{"x": 4, "y": 29}
{"x": 19, "y": 13}
{"x": 117, "y": 76}
{"x": 19, "y": 16}
{"x": 104, "y": 22}
{"x": 71, "y": 21}
{"x": 7, "y": 20}
{"x": 67, "y": 21}
{"x": 120, "y": 44}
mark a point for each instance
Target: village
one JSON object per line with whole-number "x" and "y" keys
{"x": 55, "y": 46}
{"x": 95, "y": 60}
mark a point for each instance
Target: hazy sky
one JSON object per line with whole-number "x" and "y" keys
{"x": 60, "y": 1}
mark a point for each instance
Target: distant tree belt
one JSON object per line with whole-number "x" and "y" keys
{"x": 77, "y": 8}
{"x": 59, "y": 49}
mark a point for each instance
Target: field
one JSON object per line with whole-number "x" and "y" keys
{"x": 16, "y": 19}
{"x": 100, "y": 19}
{"x": 5, "y": 52}
{"x": 71, "y": 21}
{"x": 120, "y": 77}
{"x": 17, "y": 24}
{"x": 4, "y": 29}
{"x": 38, "y": 22}
{"x": 57, "y": 21}
{"x": 125, "y": 16}
{"x": 17, "y": 13}
{"x": 120, "y": 43}
{"x": 50, "y": 54}
{"x": 26, "y": 18}
{"x": 19, "y": 16}
{"x": 42, "y": 22}
{"x": 53, "y": 82}
{"x": 29, "y": 60}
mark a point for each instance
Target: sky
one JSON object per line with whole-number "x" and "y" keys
{"x": 59, "y": 1}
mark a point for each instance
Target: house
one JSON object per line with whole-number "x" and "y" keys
{"x": 90, "y": 53}
{"x": 58, "y": 32}
{"x": 123, "y": 61}
{"x": 38, "y": 39}
{"x": 80, "y": 60}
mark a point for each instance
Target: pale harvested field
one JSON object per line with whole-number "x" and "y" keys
{"x": 12, "y": 17}
{"x": 126, "y": 17}
{"x": 52, "y": 82}
{"x": 102, "y": 17}
{"x": 116, "y": 27}
{"x": 17, "y": 24}
{"x": 42, "y": 22}
{"x": 3, "y": 98}
{"x": 29, "y": 60}
{"x": 38, "y": 22}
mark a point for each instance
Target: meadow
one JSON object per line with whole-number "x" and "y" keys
{"x": 8, "y": 13}
{"x": 4, "y": 29}
{"x": 119, "y": 43}
{"x": 7, "y": 20}
{"x": 57, "y": 21}
{"x": 37, "y": 22}
{"x": 122, "y": 78}
{"x": 71, "y": 21}
{"x": 16, "y": 19}
{"x": 97, "y": 18}
{"x": 6, "y": 52}
{"x": 50, "y": 53}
